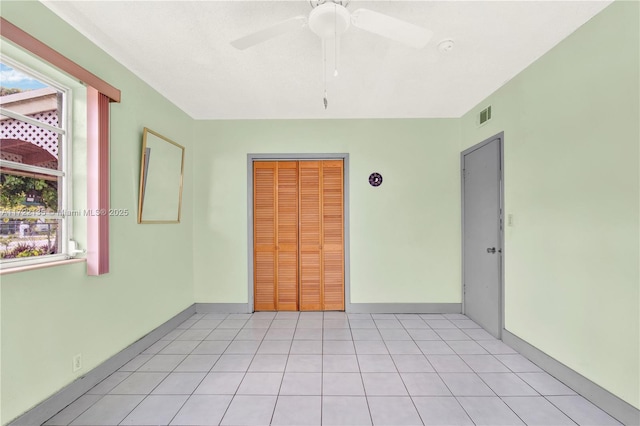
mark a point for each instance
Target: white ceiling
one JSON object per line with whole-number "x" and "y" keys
{"x": 181, "y": 48}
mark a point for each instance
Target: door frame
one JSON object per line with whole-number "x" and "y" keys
{"x": 251, "y": 158}
{"x": 500, "y": 137}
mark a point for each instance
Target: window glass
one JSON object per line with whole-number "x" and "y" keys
{"x": 32, "y": 171}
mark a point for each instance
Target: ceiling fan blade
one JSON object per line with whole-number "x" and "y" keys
{"x": 269, "y": 33}
{"x": 390, "y": 27}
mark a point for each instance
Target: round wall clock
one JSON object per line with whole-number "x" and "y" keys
{"x": 375, "y": 179}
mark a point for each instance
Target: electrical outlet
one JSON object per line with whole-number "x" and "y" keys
{"x": 510, "y": 219}
{"x": 77, "y": 362}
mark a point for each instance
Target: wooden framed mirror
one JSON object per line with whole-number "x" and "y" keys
{"x": 161, "y": 174}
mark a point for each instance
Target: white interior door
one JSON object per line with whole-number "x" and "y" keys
{"x": 482, "y": 235}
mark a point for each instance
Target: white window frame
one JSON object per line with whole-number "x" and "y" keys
{"x": 63, "y": 172}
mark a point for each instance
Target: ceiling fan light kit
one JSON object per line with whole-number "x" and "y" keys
{"x": 329, "y": 20}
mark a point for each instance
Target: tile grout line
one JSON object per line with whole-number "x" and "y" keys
{"x": 396, "y": 366}
{"x": 511, "y": 372}
{"x": 364, "y": 389}
{"x": 83, "y": 411}
{"x": 206, "y": 374}
{"x": 480, "y": 377}
{"x": 322, "y": 372}
{"x": 246, "y": 372}
{"x": 130, "y": 374}
{"x": 445, "y": 383}
{"x": 210, "y": 369}
{"x": 322, "y": 369}
{"x": 275, "y": 405}
{"x": 562, "y": 411}
{"x": 440, "y": 377}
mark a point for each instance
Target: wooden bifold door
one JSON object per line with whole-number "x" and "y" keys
{"x": 298, "y": 235}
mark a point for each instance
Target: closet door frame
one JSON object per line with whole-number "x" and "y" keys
{"x": 251, "y": 158}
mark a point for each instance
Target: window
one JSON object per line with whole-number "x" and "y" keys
{"x": 90, "y": 103}
{"x": 35, "y": 166}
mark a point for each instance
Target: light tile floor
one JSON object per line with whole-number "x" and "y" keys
{"x": 330, "y": 368}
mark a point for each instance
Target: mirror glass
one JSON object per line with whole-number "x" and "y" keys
{"x": 161, "y": 172}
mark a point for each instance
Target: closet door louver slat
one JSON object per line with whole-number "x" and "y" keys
{"x": 333, "y": 235}
{"x": 287, "y": 236}
{"x": 264, "y": 239}
{"x": 310, "y": 236}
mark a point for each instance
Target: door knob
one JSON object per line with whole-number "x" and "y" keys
{"x": 491, "y": 250}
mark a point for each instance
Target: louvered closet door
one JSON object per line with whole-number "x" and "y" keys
{"x": 298, "y": 235}
{"x": 287, "y": 236}
{"x": 310, "y": 236}
{"x": 332, "y": 235}
{"x": 275, "y": 225}
{"x": 264, "y": 235}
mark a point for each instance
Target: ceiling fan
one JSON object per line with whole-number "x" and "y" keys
{"x": 329, "y": 19}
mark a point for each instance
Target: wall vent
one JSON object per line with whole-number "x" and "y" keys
{"x": 485, "y": 115}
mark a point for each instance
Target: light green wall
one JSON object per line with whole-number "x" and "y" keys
{"x": 49, "y": 315}
{"x": 404, "y": 234}
{"x": 571, "y": 168}
{"x": 571, "y": 183}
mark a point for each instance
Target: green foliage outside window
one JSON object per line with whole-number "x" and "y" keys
{"x": 13, "y": 192}
{"x": 41, "y": 236}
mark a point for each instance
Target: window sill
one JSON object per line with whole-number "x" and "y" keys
{"x": 40, "y": 266}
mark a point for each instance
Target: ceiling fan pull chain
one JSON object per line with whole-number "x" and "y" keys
{"x": 324, "y": 72}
